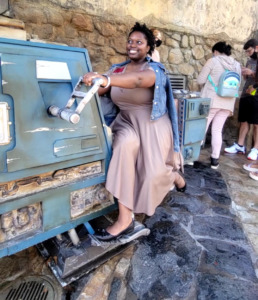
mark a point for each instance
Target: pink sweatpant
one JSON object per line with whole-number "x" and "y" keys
{"x": 218, "y": 118}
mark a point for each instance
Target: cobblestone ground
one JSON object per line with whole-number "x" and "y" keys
{"x": 202, "y": 245}
{"x": 197, "y": 248}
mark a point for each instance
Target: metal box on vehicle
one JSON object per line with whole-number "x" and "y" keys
{"x": 192, "y": 118}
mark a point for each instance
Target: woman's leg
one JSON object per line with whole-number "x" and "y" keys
{"x": 218, "y": 122}
{"x": 123, "y": 221}
{"x": 210, "y": 117}
{"x": 243, "y": 130}
{"x": 179, "y": 181}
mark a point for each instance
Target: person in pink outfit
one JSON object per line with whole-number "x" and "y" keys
{"x": 221, "y": 108}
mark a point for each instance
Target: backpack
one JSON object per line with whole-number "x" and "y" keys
{"x": 229, "y": 83}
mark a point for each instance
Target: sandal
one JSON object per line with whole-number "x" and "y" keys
{"x": 252, "y": 167}
{"x": 181, "y": 190}
{"x": 254, "y": 175}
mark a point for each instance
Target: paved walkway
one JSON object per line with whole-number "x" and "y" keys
{"x": 243, "y": 191}
{"x": 202, "y": 245}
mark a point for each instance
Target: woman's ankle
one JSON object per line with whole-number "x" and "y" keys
{"x": 180, "y": 182}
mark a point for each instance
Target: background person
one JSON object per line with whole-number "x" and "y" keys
{"x": 220, "y": 107}
{"x": 247, "y": 113}
{"x": 145, "y": 155}
{"x": 158, "y": 41}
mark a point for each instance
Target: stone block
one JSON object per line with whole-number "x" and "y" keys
{"x": 186, "y": 69}
{"x": 12, "y": 33}
{"x": 172, "y": 43}
{"x": 175, "y": 56}
{"x": 219, "y": 227}
{"x": 184, "y": 42}
{"x": 216, "y": 257}
{"x": 82, "y": 22}
{"x": 222, "y": 288}
{"x": 198, "y": 52}
{"x": 176, "y": 36}
{"x": 192, "y": 41}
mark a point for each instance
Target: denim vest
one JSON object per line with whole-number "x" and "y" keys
{"x": 163, "y": 99}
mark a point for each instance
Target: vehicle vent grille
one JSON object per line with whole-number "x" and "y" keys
{"x": 178, "y": 82}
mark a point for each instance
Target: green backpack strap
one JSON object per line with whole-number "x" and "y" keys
{"x": 212, "y": 83}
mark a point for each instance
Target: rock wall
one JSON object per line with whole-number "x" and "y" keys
{"x": 190, "y": 28}
{"x": 236, "y": 19}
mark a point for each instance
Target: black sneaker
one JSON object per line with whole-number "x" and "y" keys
{"x": 214, "y": 163}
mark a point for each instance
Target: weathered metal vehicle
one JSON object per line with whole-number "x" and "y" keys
{"x": 54, "y": 154}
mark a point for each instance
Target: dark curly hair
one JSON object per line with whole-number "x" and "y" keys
{"x": 222, "y": 47}
{"x": 148, "y": 34}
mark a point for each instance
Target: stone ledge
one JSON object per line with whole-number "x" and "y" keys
{"x": 12, "y": 33}
{"x": 7, "y": 22}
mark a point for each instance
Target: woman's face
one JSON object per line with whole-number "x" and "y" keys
{"x": 137, "y": 47}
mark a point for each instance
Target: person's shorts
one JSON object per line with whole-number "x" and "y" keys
{"x": 248, "y": 110}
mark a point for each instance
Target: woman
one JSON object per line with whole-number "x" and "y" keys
{"x": 157, "y": 35}
{"x": 221, "y": 108}
{"x": 142, "y": 168}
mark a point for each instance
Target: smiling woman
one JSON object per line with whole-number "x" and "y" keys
{"x": 146, "y": 154}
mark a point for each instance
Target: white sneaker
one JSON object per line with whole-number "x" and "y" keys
{"x": 235, "y": 149}
{"x": 253, "y": 155}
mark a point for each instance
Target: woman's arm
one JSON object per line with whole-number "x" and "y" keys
{"x": 103, "y": 91}
{"x": 203, "y": 76}
{"x": 130, "y": 80}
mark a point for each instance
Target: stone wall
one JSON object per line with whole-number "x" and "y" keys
{"x": 234, "y": 19}
{"x": 182, "y": 52}
{"x": 189, "y": 28}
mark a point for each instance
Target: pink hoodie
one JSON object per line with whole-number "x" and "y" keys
{"x": 214, "y": 67}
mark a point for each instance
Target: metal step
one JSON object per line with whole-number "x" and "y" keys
{"x": 68, "y": 262}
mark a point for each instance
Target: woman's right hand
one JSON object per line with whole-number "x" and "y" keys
{"x": 89, "y": 77}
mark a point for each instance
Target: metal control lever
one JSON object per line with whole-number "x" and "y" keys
{"x": 67, "y": 113}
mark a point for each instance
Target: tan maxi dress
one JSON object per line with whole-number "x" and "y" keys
{"x": 141, "y": 172}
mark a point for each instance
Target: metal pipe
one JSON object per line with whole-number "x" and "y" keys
{"x": 74, "y": 237}
{"x": 59, "y": 237}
